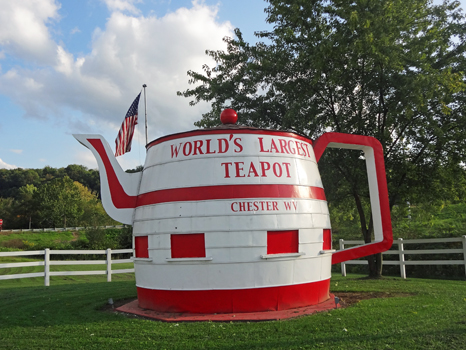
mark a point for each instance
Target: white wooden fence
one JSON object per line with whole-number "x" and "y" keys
{"x": 402, "y": 253}
{"x": 48, "y": 262}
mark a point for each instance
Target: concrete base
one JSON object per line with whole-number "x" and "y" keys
{"x": 133, "y": 308}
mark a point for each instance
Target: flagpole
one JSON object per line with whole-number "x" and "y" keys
{"x": 145, "y": 109}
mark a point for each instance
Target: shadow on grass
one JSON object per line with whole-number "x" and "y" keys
{"x": 61, "y": 304}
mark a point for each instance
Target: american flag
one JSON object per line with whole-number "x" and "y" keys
{"x": 125, "y": 136}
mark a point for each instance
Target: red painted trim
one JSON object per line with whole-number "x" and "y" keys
{"x": 227, "y": 131}
{"x": 327, "y": 245}
{"x": 368, "y": 249}
{"x": 230, "y": 192}
{"x": 322, "y": 142}
{"x": 120, "y": 199}
{"x": 234, "y": 300}
{"x": 141, "y": 246}
{"x": 189, "y": 245}
{"x": 279, "y": 242}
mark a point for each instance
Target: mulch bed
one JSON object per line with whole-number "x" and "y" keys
{"x": 351, "y": 298}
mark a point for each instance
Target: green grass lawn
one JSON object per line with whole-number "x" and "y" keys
{"x": 67, "y": 315}
{"x": 38, "y": 238}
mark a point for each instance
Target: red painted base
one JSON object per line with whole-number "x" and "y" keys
{"x": 133, "y": 308}
{"x": 234, "y": 300}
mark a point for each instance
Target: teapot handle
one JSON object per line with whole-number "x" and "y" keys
{"x": 378, "y": 191}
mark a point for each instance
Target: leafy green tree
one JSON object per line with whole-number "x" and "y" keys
{"x": 135, "y": 170}
{"x": 87, "y": 177}
{"x": 7, "y": 213}
{"x": 58, "y": 203}
{"x": 12, "y": 179}
{"x": 392, "y": 69}
{"x": 21, "y": 207}
{"x": 48, "y": 173}
{"x": 93, "y": 213}
{"x": 25, "y": 206}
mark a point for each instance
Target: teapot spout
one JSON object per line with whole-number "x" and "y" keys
{"x": 119, "y": 190}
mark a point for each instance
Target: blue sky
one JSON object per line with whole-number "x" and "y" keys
{"x": 69, "y": 66}
{"x": 75, "y": 66}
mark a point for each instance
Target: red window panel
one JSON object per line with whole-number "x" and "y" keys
{"x": 279, "y": 242}
{"x": 327, "y": 239}
{"x": 191, "y": 245}
{"x": 141, "y": 245}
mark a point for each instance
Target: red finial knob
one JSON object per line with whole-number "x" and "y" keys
{"x": 228, "y": 116}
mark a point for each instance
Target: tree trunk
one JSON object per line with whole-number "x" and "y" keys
{"x": 375, "y": 265}
{"x": 374, "y": 261}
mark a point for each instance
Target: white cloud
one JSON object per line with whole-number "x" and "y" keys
{"x": 17, "y": 151}
{"x": 23, "y": 29}
{"x": 75, "y": 30}
{"x": 128, "y": 52}
{"x": 122, "y": 5}
{"x": 4, "y": 165}
{"x": 86, "y": 158}
{"x": 65, "y": 62}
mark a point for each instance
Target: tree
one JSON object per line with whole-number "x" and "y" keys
{"x": 93, "y": 213}
{"x": 391, "y": 69}
{"x": 87, "y": 177}
{"x": 135, "y": 170}
{"x": 12, "y": 179}
{"x": 25, "y": 206}
{"x": 58, "y": 202}
{"x": 7, "y": 212}
{"x": 21, "y": 206}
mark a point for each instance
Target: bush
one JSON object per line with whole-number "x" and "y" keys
{"x": 14, "y": 243}
{"x": 80, "y": 244}
{"x": 4, "y": 249}
{"x": 98, "y": 238}
{"x": 125, "y": 239}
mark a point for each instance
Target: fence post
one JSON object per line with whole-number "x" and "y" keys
{"x": 464, "y": 252}
{"x": 109, "y": 265}
{"x": 402, "y": 258}
{"x": 47, "y": 267}
{"x": 343, "y": 265}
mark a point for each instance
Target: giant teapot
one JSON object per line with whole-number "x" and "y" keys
{"x": 234, "y": 219}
